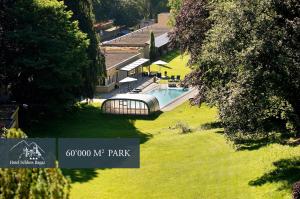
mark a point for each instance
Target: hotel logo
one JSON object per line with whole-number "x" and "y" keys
{"x": 27, "y": 153}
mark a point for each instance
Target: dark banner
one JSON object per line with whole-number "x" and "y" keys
{"x": 70, "y": 153}
{"x": 99, "y": 153}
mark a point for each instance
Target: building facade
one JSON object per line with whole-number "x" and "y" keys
{"x": 130, "y": 48}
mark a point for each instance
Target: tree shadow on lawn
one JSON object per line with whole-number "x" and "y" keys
{"x": 211, "y": 125}
{"x": 90, "y": 122}
{"x": 254, "y": 144}
{"x": 170, "y": 56}
{"x": 80, "y": 175}
{"x": 287, "y": 172}
{"x": 258, "y": 141}
{"x": 241, "y": 144}
{"x": 168, "y": 67}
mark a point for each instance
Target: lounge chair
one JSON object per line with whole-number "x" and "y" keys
{"x": 172, "y": 77}
{"x": 172, "y": 84}
{"x": 178, "y": 78}
{"x": 136, "y": 91}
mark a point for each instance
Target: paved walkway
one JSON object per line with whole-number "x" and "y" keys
{"x": 143, "y": 82}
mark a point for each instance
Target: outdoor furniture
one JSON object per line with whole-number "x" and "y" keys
{"x": 145, "y": 74}
{"x": 172, "y": 84}
{"x": 135, "y": 91}
{"x": 172, "y": 77}
{"x": 160, "y": 63}
{"x": 159, "y": 75}
{"x": 178, "y": 78}
{"x": 128, "y": 80}
{"x": 152, "y": 74}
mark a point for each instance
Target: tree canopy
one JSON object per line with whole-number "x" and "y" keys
{"x": 46, "y": 52}
{"x": 48, "y": 59}
{"x": 175, "y": 6}
{"x": 128, "y": 12}
{"x": 84, "y": 13}
{"x": 247, "y": 63}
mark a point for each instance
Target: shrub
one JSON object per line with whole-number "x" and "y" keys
{"x": 32, "y": 183}
{"x": 296, "y": 190}
{"x": 183, "y": 127}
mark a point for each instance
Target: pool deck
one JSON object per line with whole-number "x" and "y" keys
{"x": 176, "y": 102}
{"x": 180, "y": 100}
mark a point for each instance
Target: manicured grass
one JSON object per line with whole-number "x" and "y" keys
{"x": 177, "y": 65}
{"x": 200, "y": 164}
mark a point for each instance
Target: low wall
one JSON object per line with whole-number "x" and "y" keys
{"x": 105, "y": 89}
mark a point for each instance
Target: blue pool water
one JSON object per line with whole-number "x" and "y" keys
{"x": 167, "y": 95}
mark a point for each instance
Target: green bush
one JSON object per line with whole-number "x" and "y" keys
{"x": 183, "y": 127}
{"x": 32, "y": 183}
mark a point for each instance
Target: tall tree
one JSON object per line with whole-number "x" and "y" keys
{"x": 124, "y": 12}
{"x": 175, "y": 6}
{"x": 129, "y": 12}
{"x": 45, "y": 53}
{"x": 191, "y": 24}
{"x": 156, "y": 7}
{"x": 248, "y": 65}
{"x": 152, "y": 48}
{"x": 83, "y": 12}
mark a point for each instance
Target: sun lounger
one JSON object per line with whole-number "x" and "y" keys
{"x": 172, "y": 84}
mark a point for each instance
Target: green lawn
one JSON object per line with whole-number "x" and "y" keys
{"x": 198, "y": 165}
{"x": 174, "y": 165}
{"x": 177, "y": 65}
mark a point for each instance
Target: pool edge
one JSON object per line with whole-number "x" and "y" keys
{"x": 179, "y": 100}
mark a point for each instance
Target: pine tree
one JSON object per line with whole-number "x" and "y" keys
{"x": 152, "y": 53}
{"x": 83, "y": 12}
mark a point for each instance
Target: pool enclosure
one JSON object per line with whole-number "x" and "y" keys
{"x": 131, "y": 104}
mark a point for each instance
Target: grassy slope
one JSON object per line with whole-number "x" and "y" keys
{"x": 197, "y": 165}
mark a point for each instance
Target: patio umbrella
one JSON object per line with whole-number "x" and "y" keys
{"x": 160, "y": 63}
{"x": 128, "y": 80}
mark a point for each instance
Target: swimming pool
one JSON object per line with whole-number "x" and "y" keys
{"x": 167, "y": 95}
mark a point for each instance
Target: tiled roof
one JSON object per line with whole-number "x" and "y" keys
{"x": 118, "y": 55}
{"x": 139, "y": 37}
